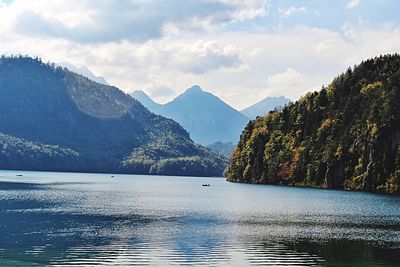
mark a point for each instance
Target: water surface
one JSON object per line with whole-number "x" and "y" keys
{"x": 68, "y": 219}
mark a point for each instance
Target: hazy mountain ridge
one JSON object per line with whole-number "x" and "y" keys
{"x": 102, "y": 126}
{"x": 146, "y": 101}
{"x": 207, "y": 118}
{"x": 264, "y": 106}
{"x": 84, "y": 71}
{"x": 225, "y": 149}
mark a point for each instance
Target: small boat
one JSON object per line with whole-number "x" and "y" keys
{"x": 19, "y": 175}
{"x": 205, "y": 185}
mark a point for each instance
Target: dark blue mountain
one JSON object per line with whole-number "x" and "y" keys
{"x": 206, "y": 117}
{"x": 146, "y": 101}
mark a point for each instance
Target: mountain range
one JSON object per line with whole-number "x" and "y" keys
{"x": 55, "y": 119}
{"x": 206, "y": 117}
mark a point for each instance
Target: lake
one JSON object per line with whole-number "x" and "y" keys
{"x": 70, "y": 219}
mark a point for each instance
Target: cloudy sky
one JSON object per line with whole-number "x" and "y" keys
{"x": 241, "y": 51}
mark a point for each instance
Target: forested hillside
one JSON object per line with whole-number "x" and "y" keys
{"x": 54, "y": 119}
{"x": 345, "y": 136}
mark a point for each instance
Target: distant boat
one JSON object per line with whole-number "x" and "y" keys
{"x": 205, "y": 184}
{"x": 19, "y": 175}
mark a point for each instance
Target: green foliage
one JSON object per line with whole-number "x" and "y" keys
{"x": 345, "y": 136}
{"x": 53, "y": 119}
{"x": 16, "y": 153}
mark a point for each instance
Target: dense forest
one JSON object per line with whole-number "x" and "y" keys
{"x": 54, "y": 119}
{"x": 346, "y": 136}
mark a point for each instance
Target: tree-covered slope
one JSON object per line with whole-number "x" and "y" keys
{"x": 17, "y": 153}
{"x": 345, "y": 136}
{"x": 49, "y": 106}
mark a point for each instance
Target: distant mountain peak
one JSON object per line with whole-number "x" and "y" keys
{"x": 140, "y": 93}
{"x": 194, "y": 88}
{"x": 204, "y": 115}
{"x": 84, "y": 71}
{"x": 264, "y": 106}
{"x": 146, "y": 101}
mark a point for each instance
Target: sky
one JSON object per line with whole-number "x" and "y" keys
{"x": 241, "y": 51}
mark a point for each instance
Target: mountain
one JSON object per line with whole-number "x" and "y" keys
{"x": 147, "y": 101}
{"x": 346, "y": 136}
{"x": 207, "y": 118}
{"x": 264, "y": 106}
{"x": 54, "y": 119}
{"x": 225, "y": 149}
{"x": 84, "y": 71}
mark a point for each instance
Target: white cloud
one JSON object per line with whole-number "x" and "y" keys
{"x": 112, "y": 20}
{"x": 286, "y": 13}
{"x": 291, "y": 81}
{"x": 242, "y": 66}
{"x": 317, "y": 57}
{"x": 353, "y": 4}
{"x": 291, "y": 78}
{"x": 196, "y": 57}
{"x": 249, "y": 9}
{"x": 201, "y": 57}
{"x": 236, "y": 64}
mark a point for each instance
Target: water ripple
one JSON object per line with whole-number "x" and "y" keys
{"x": 89, "y": 220}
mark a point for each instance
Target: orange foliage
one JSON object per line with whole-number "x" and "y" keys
{"x": 288, "y": 169}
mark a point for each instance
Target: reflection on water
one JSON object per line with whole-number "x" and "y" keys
{"x": 93, "y": 219}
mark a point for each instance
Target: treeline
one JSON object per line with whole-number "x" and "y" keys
{"x": 345, "y": 136}
{"x": 17, "y": 153}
